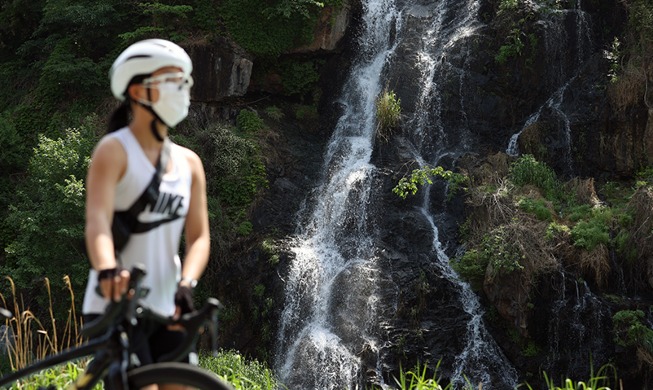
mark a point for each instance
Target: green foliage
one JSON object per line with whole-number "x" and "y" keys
{"x": 13, "y": 142}
{"x": 530, "y": 350}
{"x": 513, "y": 47}
{"x": 497, "y": 251}
{"x": 418, "y": 378}
{"x": 169, "y": 21}
{"x": 60, "y": 377}
{"x": 528, "y": 171}
{"x": 270, "y": 249}
{"x": 501, "y": 252}
{"x": 598, "y": 381}
{"x": 47, "y": 217}
{"x": 268, "y": 29}
{"x": 388, "y": 113}
{"x": 422, "y": 176}
{"x": 234, "y": 164}
{"x": 640, "y": 24}
{"x": 299, "y": 78}
{"x": 555, "y": 229}
{"x": 630, "y": 330}
{"x": 305, "y": 112}
{"x": 614, "y": 58}
{"x": 248, "y": 122}
{"x": 593, "y": 231}
{"x": 471, "y": 266}
{"x": 274, "y": 113}
{"x": 293, "y": 8}
{"x": 507, "y": 5}
{"x": 538, "y": 207}
{"x": 240, "y": 372}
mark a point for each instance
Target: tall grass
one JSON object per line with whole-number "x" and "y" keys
{"x": 388, "y": 114}
{"x": 27, "y": 338}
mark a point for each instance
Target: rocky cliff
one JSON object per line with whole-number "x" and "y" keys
{"x": 530, "y": 81}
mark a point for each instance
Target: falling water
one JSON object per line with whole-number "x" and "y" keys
{"x": 581, "y": 329}
{"x": 331, "y": 319}
{"x": 558, "y": 42}
{"x": 453, "y": 22}
{"x": 331, "y": 296}
{"x": 553, "y": 104}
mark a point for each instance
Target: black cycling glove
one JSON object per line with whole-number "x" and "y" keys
{"x": 184, "y": 299}
{"x": 108, "y": 273}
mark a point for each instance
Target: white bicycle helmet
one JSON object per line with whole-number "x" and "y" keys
{"x": 143, "y": 58}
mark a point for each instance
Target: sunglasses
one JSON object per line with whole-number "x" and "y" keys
{"x": 177, "y": 78}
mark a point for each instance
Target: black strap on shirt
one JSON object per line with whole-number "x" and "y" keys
{"x": 126, "y": 222}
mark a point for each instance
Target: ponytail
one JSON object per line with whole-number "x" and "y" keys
{"x": 120, "y": 117}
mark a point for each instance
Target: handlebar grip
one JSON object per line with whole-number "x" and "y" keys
{"x": 191, "y": 322}
{"x": 114, "y": 310}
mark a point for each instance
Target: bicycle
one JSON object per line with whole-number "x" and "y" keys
{"x": 109, "y": 340}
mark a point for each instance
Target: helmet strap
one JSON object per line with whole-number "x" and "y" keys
{"x": 155, "y": 131}
{"x": 147, "y": 105}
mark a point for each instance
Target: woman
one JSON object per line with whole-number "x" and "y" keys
{"x": 152, "y": 79}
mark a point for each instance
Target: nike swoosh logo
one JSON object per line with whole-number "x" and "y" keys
{"x": 145, "y": 217}
{"x": 143, "y": 227}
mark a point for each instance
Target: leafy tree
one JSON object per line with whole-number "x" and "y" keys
{"x": 47, "y": 217}
{"x": 267, "y": 29}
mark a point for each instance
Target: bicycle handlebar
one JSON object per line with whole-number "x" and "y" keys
{"x": 131, "y": 309}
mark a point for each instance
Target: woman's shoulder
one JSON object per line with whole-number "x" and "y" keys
{"x": 188, "y": 154}
{"x": 192, "y": 159}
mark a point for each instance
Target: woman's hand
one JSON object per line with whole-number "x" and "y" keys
{"x": 113, "y": 283}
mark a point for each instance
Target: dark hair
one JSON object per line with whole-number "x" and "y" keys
{"x": 120, "y": 117}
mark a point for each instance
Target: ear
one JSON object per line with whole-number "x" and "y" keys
{"x": 136, "y": 92}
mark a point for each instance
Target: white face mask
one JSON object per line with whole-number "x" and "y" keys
{"x": 174, "y": 98}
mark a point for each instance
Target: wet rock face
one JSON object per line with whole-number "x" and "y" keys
{"x": 493, "y": 101}
{"x": 223, "y": 70}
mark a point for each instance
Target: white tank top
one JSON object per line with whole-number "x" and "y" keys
{"x": 158, "y": 247}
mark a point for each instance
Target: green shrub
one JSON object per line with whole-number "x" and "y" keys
{"x": 537, "y": 207}
{"x": 423, "y": 176}
{"x": 274, "y": 112}
{"x": 631, "y": 331}
{"x": 594, "y": 230}
{"x": 388, "y": 114}
{"x": 248, "y": 122}
{"x": 555, "y": 230}
{"x": 48, "y": 214}
{"x": 234, "y": 163}
{"x": 527, "y": 170}
{"x": 513, "y": 47}
{"x": 471, "y": 266}
{"x": 500, "y": 250}
{"x": 299, "y": 78}
{"x": 269, "y": 29}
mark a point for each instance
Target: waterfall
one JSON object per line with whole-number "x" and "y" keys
{"x": 559, "y": 42}
{"x": 330, "y": 313}
{"x": 554, "y": 105}
{"x": 330, "y": 327}
{"x": 452, "y": 24}
{"x": 576, "y": 323}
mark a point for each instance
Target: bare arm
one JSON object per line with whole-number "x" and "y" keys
{"x": 197, "y": 223}
{"x": 108, "y": 164}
